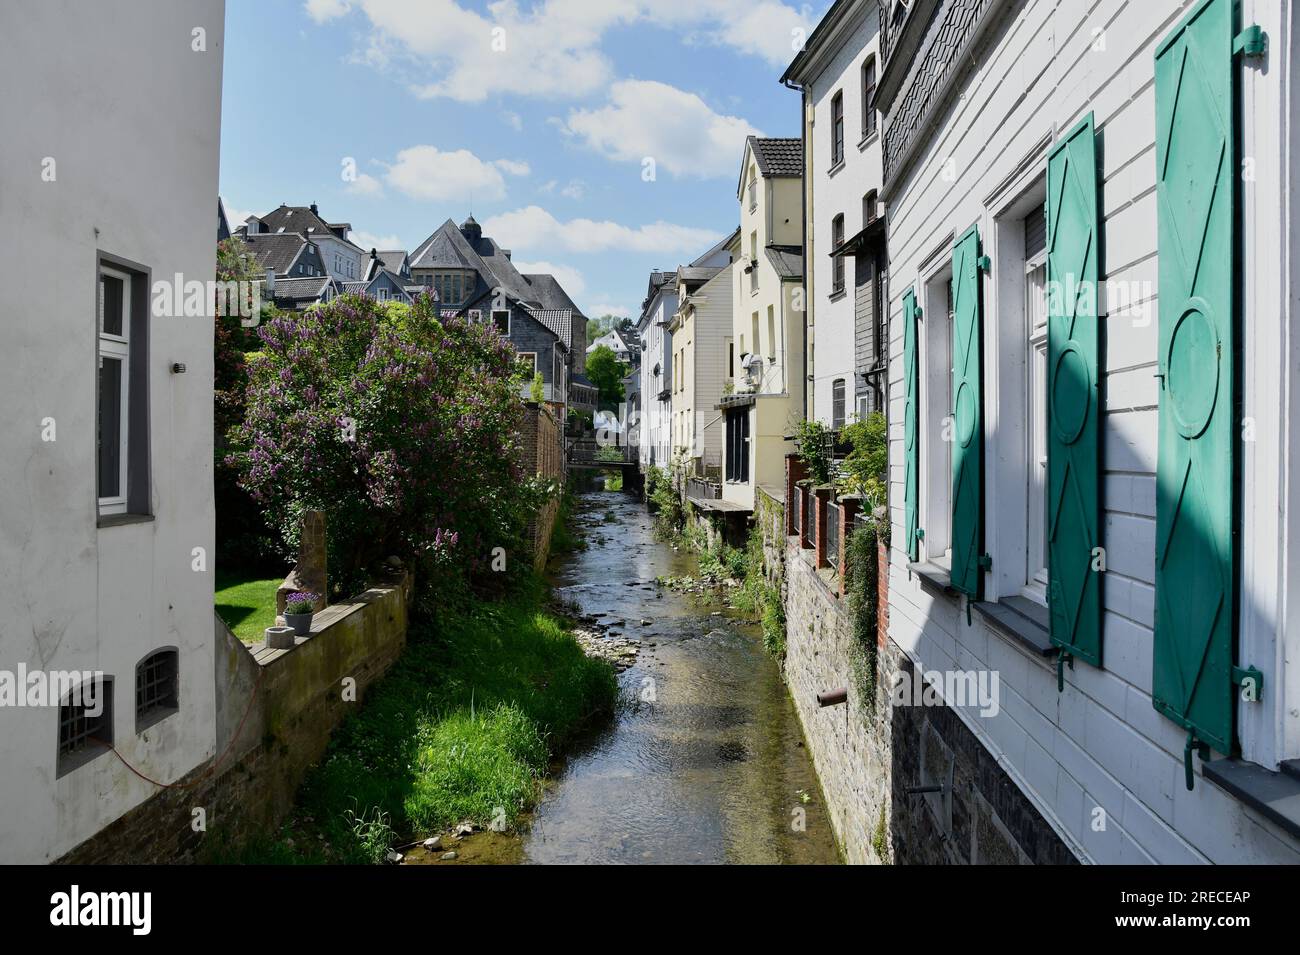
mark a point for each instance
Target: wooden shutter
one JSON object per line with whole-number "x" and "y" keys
{"x": 967, "y": 417}
{"x": 1195, "y": 486}
{"x": 1073, "y": 399}
{"x": 911, "y": 408}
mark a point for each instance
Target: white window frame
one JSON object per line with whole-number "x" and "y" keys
{"x": 934, "y": 341}
{"x": 506, "y": 313}
{"x": 118, "y": 348}
{"x": 381, "y": 294}
{"x": 1036, "y": 437}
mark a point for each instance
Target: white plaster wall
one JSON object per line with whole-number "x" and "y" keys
{"x": 656, "y": 415}
{"x": 831, "y": 331}
{"x": 1099, "y": 744}
{"x": 131, "y": 115}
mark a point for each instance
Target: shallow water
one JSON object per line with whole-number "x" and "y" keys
{"x": 706, "y": 763}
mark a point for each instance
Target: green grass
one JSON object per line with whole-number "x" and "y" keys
{"x": 463, "y": 727}
{"x": 246, "y": 604}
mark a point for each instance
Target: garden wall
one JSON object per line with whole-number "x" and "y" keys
{"x": 274, "y": 715}
{"x": 543, "y": 455}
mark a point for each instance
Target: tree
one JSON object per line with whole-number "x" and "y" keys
{"x": 402, "y": 427}
{"x": 607, "y": 373}
{"x": 596, "y": 327}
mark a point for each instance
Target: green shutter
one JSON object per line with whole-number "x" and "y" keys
{"x": 968, "y": 416}
{"x": 1195, "y": 484}
{"x": 911, "y": 408}
{"x": 1073, "y": 400}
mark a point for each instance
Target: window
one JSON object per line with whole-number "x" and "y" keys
{"x": 382, "y": 294}
{"x": 753, "y": 187}
{"x": 837, "y": 129}
{"x": 868, "y": 94}
{"x": 157, "y": 688}
{"x": 501, "y": 318}
{"x": 869, "y": 209}
{"x": 837, "y": 403}
{"x": 122, "y": 383}
{"x": 771, "y": 333}
{"x": 837, "y": 263}
{"x": 85, "y": 725}
{"x": 934, "y": 363}
{"x": 753, "y": 262}
{"x": 753, "y": 339}
{"x": 1035, "y": 233}
{"x": 736, "y": 465}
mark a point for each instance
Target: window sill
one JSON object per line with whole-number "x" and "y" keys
{"x": 116, "y": 520}
{"x": 837, "y": 294}
{"x": 1022, "y": 620}
{"x": 868, "y": 139}
{"x": 835, "y": 168}
{"x": 934, "y": 577}
{"x": 1276, "y": 796}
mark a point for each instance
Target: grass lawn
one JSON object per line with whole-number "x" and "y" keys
{"x": 246, "y": 604}
{"x": 462, "y": 727}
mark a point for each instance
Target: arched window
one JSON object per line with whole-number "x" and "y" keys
{"x": 85, "y": 724}
{"x": 157, "y": 687}
{"x": 869, "y": 208}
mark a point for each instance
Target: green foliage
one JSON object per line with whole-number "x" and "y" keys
{"x": 865, "y": 467}
{"x": 607, "y": 373}
{"x": 609, "y": 453}
{"x": 880, "y": 838}
{"x": 815, "y": 442}
{"x": 246, "y": 602}
{"x": 462, "y": 727}
{"x": 758, "y": 596}
{"x": 863, "y": 590}
{"x": 537, "y": 390}
{"x": 564, "y": 540}
{"x": 666, "y": 504}
{"x": 401, "y": 426}
{"x": 596, "y": 327}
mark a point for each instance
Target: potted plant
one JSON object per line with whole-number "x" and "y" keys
{"x": 298, "y": 608}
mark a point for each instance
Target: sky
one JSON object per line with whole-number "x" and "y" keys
{"x": 595, "y": 139}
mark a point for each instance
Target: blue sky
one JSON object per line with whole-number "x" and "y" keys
{"x": 540, "y": 114}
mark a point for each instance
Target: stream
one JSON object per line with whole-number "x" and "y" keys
{"x": 705, "y": 761}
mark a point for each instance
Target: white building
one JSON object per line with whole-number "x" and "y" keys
{"x": 1074, "y": 468}
{"x": 838, "y": 72}
{"x": 615, "y": 342}
{"x": 106, "y": 547}
{"x": 344, "y": 260}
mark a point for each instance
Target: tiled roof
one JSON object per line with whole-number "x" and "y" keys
{"x": 778, "y": 157}
{"x": 299, "y": 219}
{"x": 300, "y": 292}
{"x": 558, "y": 320}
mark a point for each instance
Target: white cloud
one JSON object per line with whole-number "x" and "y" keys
{"x": 365, "y": 185}
{"x": 532, "y": 227}
{"x": 574, "y": 190}
{"x": 513, "y": 167}
{"x": 324, "y": 10}
{"x": 368, "y": 240}
{"x": 548, "y": 49}
{"x": 513, "y": 120}
{"x": 566, "y": 275}
{"x": 426, "y": 172}
{"x": 675, "y": 128}
{"x": 237, "y": 217}
{"x": 601, "y": 309}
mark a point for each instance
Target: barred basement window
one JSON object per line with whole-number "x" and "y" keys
{"x": 157, "y": 690}
{"x": 85, "y": 725}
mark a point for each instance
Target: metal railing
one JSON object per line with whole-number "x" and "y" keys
{"x": 809, "y": 518}
{"x": 833, "y": 536}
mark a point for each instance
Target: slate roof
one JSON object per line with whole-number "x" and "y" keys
{"x": 393, "y": 259}
{"x": 549, "y": 293}
{"x": 787, "y": 260}
{"x": 302, "y": 220}
{"x": 275, "y": 250}
{"x": 446, "y": 248}
{"x": 696, "y": 275}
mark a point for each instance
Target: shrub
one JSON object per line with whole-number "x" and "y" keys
{"x": 864, "y": 468}
{"x": 400, "y": 426}
{"x": 815, "y": 443}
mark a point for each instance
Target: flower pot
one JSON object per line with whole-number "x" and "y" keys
{"x": 300, "y": 622}
{"x": 279, "y": 638}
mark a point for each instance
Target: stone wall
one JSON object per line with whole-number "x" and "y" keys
{"x": 276, "y": 710}
{"x": 869, "y": 752}
{"x": 543, "y": 454}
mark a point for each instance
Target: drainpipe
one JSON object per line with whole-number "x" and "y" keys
{"x": 803, "y": 227}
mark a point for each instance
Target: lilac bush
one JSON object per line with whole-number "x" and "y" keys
{"x": 401, "y": 426}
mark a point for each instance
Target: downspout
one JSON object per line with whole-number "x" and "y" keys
{"x": 803, "y": 232}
